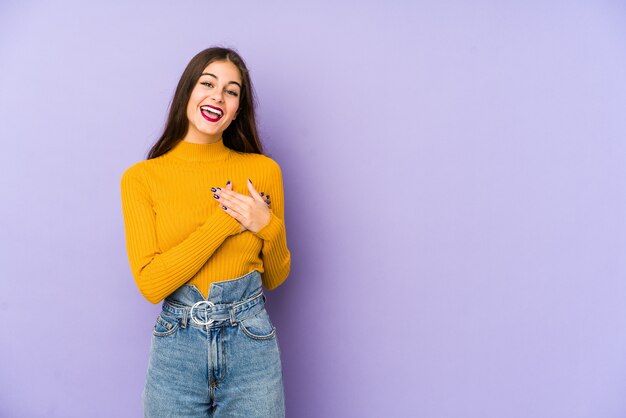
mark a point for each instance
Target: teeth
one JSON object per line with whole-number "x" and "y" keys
{"x": 210, "y": 109}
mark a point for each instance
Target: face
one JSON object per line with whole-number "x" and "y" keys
{"x": 214, "y": 102}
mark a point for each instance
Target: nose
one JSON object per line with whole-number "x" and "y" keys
{"x": 217, "y": 96}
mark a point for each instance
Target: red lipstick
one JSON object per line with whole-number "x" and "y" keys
{"x": 213, "y": 115}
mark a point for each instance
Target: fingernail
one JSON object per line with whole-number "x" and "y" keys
{"x": 268, "y": 196}
{"x": 213, "y": 189}
{"x": 216, "y": 196}
{"x": 219, "y": 188}
{"x": 228, "y": 182}
{"x": 268, "y": 202}
{"x": 224, "y": 207}
{"x": 261, "y": 193}
{"x": 250, "y": 181}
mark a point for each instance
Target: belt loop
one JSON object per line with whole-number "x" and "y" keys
{"x": 184, "y": 319}
{"x": 233, "y": 318}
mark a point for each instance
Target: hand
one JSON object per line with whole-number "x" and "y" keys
{"x": 252, "y": 212}
{"x": 229, "y": 186}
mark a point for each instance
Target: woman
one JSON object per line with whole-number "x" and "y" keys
{"x": 203, "y": 240}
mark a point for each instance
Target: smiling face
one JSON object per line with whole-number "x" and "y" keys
{"x": 214, "y": 102}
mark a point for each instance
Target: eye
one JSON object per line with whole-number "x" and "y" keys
{"x": 232, "y": 93}
{"x": 206, "y": 83}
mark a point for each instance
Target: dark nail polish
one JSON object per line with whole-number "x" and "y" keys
{"x": 250, "y": 181}
{"x": 228, "y": 182}
{"x": 216, "y": 196}
{"x": 219, "y": 188}
{"x": 261, "y": 193}
{"x": 268, "y": 196}
{"x": 224, "y": 207}
{"x": 213, "y": 189}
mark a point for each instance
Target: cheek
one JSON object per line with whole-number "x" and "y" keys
{"x": 234, "y": 107}
{"x": 190, "y": 113}
{"x": 192, "y": 106}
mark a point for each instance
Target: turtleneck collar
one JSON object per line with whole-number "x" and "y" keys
{"x": 191, "y": 151}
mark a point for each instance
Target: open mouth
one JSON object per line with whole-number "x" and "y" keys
{"x": 211, "y": 113}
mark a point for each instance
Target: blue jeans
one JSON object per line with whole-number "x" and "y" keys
{"x": 217, "y": 357}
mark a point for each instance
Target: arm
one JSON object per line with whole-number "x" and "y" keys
{"x": 276, "y": 255}
{"x": 158, "y": 273}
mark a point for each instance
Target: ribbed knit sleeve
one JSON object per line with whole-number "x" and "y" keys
{"x": 158, "y": 273}
{"x": 276, "y": 255}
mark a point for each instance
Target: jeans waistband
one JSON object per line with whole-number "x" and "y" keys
{"x": 204, "y": 312}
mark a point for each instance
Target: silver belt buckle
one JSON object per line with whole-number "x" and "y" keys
{"x": 196, "y": 305}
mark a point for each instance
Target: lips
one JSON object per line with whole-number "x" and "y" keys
{"x": 211, "y": 113}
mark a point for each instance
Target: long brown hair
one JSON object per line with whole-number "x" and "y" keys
{"x": 241, "y": 135}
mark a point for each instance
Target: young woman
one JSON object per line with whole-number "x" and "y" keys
{"x": 203, "y": 240}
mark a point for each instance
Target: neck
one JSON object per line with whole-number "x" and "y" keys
{"x": 194, "y": 151}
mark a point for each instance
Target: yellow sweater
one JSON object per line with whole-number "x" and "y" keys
{"x": 177, "y": 233}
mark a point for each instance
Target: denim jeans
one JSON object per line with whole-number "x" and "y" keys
{"x": 215, "y": 357}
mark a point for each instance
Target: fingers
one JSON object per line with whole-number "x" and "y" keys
{"x": 227, "y": 198}
{"x": 266, "y": 198}
{"x": 244, "y": 209}
{"x": 255, "y": 195}
{"x": 233, "y": 213}
{"x": 238, "y": 202}
{"x": 249, "y": 211}
{"x": 226, "y": 206}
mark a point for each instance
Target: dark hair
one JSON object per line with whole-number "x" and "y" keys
{"x": 241, "y": 135}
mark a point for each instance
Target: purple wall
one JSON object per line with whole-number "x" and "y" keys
{"x": 455, "y": 177}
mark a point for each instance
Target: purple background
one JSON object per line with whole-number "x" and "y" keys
{"x": 454, "y": 179}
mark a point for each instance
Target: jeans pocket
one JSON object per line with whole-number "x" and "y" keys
{"x": 165, "y": 325}
{"x": 259, "y": 326}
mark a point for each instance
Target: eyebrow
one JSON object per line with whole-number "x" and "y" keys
{"x": 213, "y": 75}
